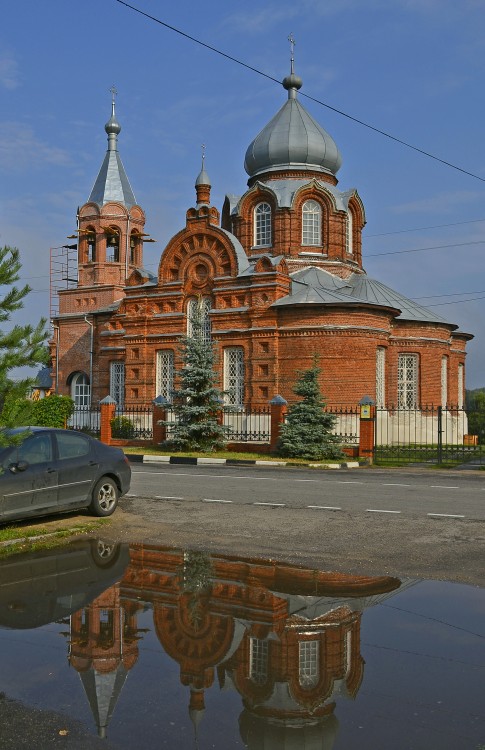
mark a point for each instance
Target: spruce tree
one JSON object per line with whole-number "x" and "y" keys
{"x": 307, "y": 432}
{"x": 198, "y": 401}
{"x": 21, "y": 346}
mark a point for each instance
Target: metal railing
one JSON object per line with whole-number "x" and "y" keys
{"x": 86, "y": 419}
{"x": 132, "y": 422}
{"x": 247, "y": 425}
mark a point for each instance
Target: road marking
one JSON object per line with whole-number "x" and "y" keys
{"x": 324, "y": 507}
{"x": 349, "y": 482}
{"x": 442, "y": 487}
{"x": 210, "y": 500}
{"x": 445, "y": 515}
{"x": 395, "y": 484}
{"x": 167, "y": 497}
{"x": 274, "y": 505}
{"x": 306, "y": 480}
{"x": 131, "y": 495}
{"x": 379, "y": 510}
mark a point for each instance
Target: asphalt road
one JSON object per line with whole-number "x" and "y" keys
{"x": 420, "y": 524}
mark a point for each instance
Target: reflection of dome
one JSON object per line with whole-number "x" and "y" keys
{"x": 264, "y": 734}
{"x": 292, "y": 140}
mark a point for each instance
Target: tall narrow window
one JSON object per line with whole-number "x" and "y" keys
{"x": 311, "y": 223}
{"x": 258, "y": 661}
{"x": 198, "y": 310}
{"x": 380, "y": 377}
{"x": 309, "y": 667}
{"x": 112, "y": 246}
{"x": 234, "y": 375}
{"x": 461, "y": 385}
{"x": 165, "y": 372}
{"x": 444, "y": 381}
{"x": 349, "y": 233}
{"x": 348, "y": 652}
{"x": 407, "y": 381}
{"x": 81, "y": 391}
{"x": 91, "y": 242}
{"x": 117, "y": 382}
{"x": 262, "y": 225}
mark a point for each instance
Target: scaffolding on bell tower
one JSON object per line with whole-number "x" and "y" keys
{"x": 63, "y": 274}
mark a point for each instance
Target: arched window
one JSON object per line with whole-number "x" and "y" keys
{"x": 444, "y": 381}
{"x": 311, "y": 233}
{"x": 234, "y": 375}
{"x": 198, "y": 320}
{"x": 80, "y": 390}
{"x": 91, "y": 243}
{"x": 407, "y": 381}
{"x": 461, "y": 385}
{"x": 165, "y": 373}
{"x": 258, "y": 661}
{"x": 134, "y": 247}
{"x": 380, "y": 377}
{"x": 112, "y": 245}
{"x": 349, "y": 233}
{"x": 309, "y": 663}
{"x": 262, "y": 225}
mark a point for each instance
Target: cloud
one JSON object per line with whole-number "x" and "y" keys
{"x": 20, "y": 149}
{"x": 440, "y": 203}
{"x": 9, "y": 74}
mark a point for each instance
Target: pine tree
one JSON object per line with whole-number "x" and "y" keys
{"x": 21, "y": 346}
{"x": 307, "y": 432}
{"x": 197, "y": 402}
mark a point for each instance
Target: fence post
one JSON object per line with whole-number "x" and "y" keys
{"x": 440, "y": 434}
{"x": 367, "y": 427}
{"x": 108, "y": 407}
{"x": 159, "y": 413}
{"x": 278, "y": 410}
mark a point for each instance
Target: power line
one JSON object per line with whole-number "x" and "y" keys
{"x": 307, "y": 96}
{"x": 421, "y": 229}
{"x": 451, "y": 294}
{"x": 421, "y": 249}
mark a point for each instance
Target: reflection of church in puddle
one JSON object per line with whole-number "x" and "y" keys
{"x": 286, "y": 638}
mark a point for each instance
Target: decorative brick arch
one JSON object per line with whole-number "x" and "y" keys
{"x": 194, "y": 258}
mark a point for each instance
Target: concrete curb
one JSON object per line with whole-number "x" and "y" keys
{"x": 151, "y": 459}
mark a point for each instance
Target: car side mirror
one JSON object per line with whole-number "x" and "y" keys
{"x": 19, "y": 466}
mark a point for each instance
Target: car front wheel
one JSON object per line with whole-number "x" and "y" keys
{"x": 105, "y": 497}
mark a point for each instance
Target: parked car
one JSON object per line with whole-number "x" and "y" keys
{"x": 54, "y": 470}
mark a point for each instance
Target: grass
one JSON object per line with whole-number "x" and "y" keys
{"x": 20, "y": 538}
{"x": 151, "y": 450}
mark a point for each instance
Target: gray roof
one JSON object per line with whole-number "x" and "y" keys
{"x": 316, "y": 286}
{"x": 285, "y": 190}
{"x": 291, "y": 140}
{"x": 112, "y": 184}
{"x": 43, "y": 378}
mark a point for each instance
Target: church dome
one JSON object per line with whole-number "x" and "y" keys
{"x": 292, "y": 140}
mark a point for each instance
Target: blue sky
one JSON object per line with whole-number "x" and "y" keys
{"x": 413, "y": 68}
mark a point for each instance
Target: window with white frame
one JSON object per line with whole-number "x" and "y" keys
{"x": 165, "y": 374}
{"x": 81, "y": 390}
{"x": 117, "y": 382}
{"x": 348, "y": 652}
{"x": 407, "y": 381}
{"x": 380, "y": 376}
{"x": 311, "y": 233}
{"x": 461, "y": 385}
{"x": 444, "y": 381}
{"x": 258, "y": 661}
{"x": 234, "y": 375}
{"x": 309, "y": 663}
{"x": 349, "y": 233}
{"x": 262, "y": 225}
{"x": 198, "y": 310}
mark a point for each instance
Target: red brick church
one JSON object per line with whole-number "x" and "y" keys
{"x": 280, "y": 276}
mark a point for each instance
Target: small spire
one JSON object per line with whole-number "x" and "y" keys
{"x": 203, "y": 183}
{"x": 112, "y": 127}
{"x": 292, "y": 82}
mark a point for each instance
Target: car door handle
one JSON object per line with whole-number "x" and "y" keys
{"x": 50, "y": 470}
{"x": 93, "y": 463}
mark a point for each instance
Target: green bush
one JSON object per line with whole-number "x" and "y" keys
{"x": 52, "y": 411}
{"x": 122, "y": 427}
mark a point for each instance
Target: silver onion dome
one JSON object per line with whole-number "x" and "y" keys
{"x": 292, "y": 140}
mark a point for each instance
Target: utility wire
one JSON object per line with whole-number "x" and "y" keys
{"x": 421, "y": 229}
{"x": 307, "y": 96}
{"x": 421, "y": 249}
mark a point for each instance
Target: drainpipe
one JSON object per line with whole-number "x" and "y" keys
{"x": 127, "y": 247}
{"x": 90, "y": 360}
{"x": 58, "y": 336}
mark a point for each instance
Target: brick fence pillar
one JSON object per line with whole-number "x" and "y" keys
{"x": 367, "y": 428}
{"x": 278, "y": 410}
{"x": 159, "y": 414}
{"x": 108, "y": 407}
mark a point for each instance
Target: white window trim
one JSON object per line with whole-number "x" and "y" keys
{"x": 117, "y": 382}
{"x": 165, "y": 370}
{"x": 267, "y": 216}
{"x": 234, "y": 375}
{"x": 407, "y": 381}
{"x": 313, "y": 226}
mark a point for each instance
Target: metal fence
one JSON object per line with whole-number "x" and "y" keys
{"x": 86, "y": 419}
{"x": 429, "y": 434}
{"x": 347, "y": 423}
{"x": 133, "y": 422}
{"x": 246, "y": 425}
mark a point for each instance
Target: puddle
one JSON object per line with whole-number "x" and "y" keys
{"x": 149, "y": 645}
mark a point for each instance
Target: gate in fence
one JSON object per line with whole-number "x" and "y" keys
{"x": 430, "y": 434}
